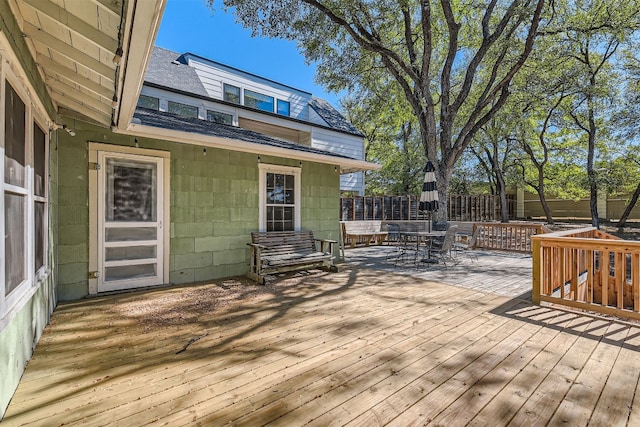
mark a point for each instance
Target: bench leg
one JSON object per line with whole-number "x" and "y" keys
{"x": 256, "y": 277}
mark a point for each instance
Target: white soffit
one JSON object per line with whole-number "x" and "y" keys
{"x": 74, "y": 44}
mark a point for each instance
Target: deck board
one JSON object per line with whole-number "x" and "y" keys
{"x": 369, "y": 345}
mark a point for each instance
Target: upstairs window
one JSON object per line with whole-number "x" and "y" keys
{"x": 218, "y": 117}
{"x": 284, "y": 108}
{"x": 258, "y": 100}
{"x": 183, "y": 109}
{"x": 149, "y": 102}
{"x": 231, "y": 93}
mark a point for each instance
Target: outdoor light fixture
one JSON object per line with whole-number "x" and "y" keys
{"x": 136, "y": 142}
{"x": 69, "y": 130}
{"x": 114, "y": 102}
{"x": 204, "y": 151}
{"x": 258, "y": 159}
{"x": 118, "y": 56}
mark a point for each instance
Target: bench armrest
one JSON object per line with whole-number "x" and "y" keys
{"x": 326, "y": 240}
{"x": 257, "y": 246}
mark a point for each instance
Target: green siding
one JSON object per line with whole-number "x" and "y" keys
{"x": 213, "y": 207}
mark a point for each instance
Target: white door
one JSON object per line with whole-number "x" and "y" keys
{"x": 130, "y": 235}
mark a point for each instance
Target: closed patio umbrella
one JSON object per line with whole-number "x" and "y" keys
{"x": 429, "y": 195}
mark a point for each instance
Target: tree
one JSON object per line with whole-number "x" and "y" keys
{"x": 390, "y": 139}
{"x": 591, "y": 32}
{"x": 453, "y": 61}
{"x": 493, "y": 151}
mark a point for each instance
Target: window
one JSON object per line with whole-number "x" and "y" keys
{"x": 257, "y": 100}
{"x": 39, "y": 196}
{"x": 279, "y": 198}
{"x": 150, "y": 102}
{"x": 183, "y": 109}
{"x": 15, "y": 191}
{"x": 218, "y": 117}
{"x": 283, "y": 108}
{"x": 231, "y": 93}
{"x": 24, "y": 204}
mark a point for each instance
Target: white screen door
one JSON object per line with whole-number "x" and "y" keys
{"x": 130, "y": 235}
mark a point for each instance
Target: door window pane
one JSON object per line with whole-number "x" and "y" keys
{"x": 14, "y": 241}
{"x": 131, "y": 191}
{"x": 128, "y": 234}
{"x": 39, "y": 161}
{"x": 14, "y": 137}
{"x": 130, "y": 252}
{"x": 127, "y": 272}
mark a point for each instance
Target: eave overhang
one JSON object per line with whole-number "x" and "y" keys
{"x": 346, "y": 165}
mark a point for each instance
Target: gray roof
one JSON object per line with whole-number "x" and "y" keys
{"x": 167, "y": 68}
{"x": 330, "y": 115}
{"x": 164, "y": 120}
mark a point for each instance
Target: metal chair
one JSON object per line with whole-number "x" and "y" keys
{"x": 442, "y": 251}
{"x": 469, "y": 246}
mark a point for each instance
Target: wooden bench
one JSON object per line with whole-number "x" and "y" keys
{"x": 279, "y": 251}
{"x": 367, "y": 231}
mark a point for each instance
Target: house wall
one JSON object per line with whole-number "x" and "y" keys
{"x": 213, "y": 207}
{"x": 346, "y": 145}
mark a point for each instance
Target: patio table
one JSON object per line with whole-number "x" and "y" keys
{"x": 407, "y": 238}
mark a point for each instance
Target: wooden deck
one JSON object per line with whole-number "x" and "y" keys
{"x": 362, "y": 347}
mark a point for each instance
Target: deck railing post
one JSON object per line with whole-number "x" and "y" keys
{"x": 536, "y": 273}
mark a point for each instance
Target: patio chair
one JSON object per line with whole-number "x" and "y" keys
{"x": 468, "y": 246}
{"x": 393, "y": 230}
{"x": 441, "y": 251}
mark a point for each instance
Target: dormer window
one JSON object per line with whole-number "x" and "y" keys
{"x": 183, "y": 109}
{"x": 150, "y": 102}
{"x": 231, "y": 93}
{"x": 218, "y": 117}
{"x": 284, "y": 108}
{"x": 258, "y": 100}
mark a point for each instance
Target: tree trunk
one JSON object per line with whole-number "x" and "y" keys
{"x": 543, "y": 198}
{"x": 593, "y": 185}
{"x": 629, "y": 207}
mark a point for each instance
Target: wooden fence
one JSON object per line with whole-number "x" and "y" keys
{"x": 589, "y": 270}
{"x": 484, "y": 207}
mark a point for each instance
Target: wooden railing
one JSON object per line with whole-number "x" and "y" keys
{"x": 514, "y": 237}
{"x": 587, "y": 269}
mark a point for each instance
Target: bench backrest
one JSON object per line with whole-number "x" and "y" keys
{"x": 362, "y": 227}
{"x": 285, "y": 242}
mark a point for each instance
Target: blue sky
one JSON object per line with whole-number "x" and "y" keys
{"x": 190, "y": 26}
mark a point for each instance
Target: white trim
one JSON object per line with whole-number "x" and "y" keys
{"x": 263, "y": 169}
{"x": 345, "y": 165}
{"x": 35, "y": 115}
{"x": 141, "y": 26}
